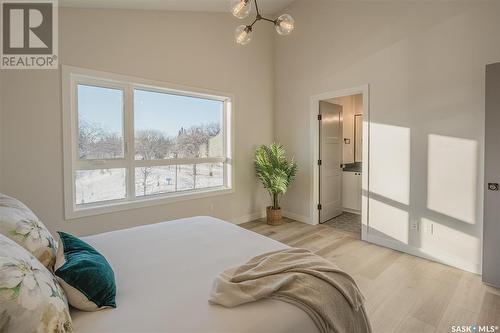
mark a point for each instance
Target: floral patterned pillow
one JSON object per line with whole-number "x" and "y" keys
{"x": 31, "y": 298}
{"x": 18, "y": 223}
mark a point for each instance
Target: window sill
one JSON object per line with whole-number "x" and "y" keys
{"x": 106, "y": 208}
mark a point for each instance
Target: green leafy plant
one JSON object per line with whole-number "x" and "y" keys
{"x": 274, "y": 170}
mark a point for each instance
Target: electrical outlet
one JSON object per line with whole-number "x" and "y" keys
{"x": 414, "y": 226}
{"x": 430, "y": 228}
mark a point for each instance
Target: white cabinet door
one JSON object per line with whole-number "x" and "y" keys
{"x": 358, "y": 191}
{"x": 351, "y": 191}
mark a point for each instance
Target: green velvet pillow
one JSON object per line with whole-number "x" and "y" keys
{"x": 84, "y": 274}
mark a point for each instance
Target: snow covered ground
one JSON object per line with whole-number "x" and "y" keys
{"x": 110, "y": 184}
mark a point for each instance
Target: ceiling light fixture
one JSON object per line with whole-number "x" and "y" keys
{"x": 284, "y": 24}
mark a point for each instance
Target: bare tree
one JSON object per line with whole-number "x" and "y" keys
{"x": 88, "y": 135}
{"x": 145, "y": 179}
{"x": 95, "y": 142}
{"x": 212, "y": 129}
{"x": 189, "y": 141}
{"x": 151, "y": 144}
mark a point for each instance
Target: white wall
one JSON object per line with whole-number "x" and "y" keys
{"x": 192, "y": 49}
{"x": 425, "y": 63}
{"x": 358, "y": 104}
{"x": 1, "y": 133}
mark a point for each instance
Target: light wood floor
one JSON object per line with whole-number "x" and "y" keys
{"x": 404, "y": 293}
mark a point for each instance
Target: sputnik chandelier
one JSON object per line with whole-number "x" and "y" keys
{"x": 284, "y": 24}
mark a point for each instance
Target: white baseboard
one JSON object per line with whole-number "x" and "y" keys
{"x": 260, "y": 215}
{"x": 353, "y": 211}
{"x": 248, "y": 218}
{"x": 442, "y": 259}
{"x": 297, "y": 217}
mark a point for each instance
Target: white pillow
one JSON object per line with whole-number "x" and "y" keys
{"x": 30, "y": 297}
{"x": 20, "y": 224}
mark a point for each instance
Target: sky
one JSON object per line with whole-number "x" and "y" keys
{"x": 152, "y": 110}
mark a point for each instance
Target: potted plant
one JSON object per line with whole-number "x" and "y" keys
{"x": 276, "y": 173}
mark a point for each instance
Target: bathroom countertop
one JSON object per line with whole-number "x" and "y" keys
{"x": 353, "y": 167}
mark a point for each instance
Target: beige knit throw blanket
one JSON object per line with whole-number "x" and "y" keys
{"x": 297, "y": 276}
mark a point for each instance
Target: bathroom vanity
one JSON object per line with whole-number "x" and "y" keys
{"x": 351, "y": 187}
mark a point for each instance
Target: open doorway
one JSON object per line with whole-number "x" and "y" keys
{"x": 341, "y": 156}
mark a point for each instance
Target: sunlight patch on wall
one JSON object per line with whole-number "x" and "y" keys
{"x": 436, "y": 238}
{"x": 390, "y": 162}
{"x": 388, "y": 220}
{"x": 452, "y": 177}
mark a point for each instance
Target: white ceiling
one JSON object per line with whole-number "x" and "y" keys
{"x": 266, "y": 6}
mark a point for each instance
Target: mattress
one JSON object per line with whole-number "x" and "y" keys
{"x": 164, "y": 273}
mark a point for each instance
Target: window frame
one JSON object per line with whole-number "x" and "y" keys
{"x": 74, "y": 76}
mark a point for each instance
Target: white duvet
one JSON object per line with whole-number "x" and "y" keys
{"x": 164, "y": 273}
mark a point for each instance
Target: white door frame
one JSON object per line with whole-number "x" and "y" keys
{"x": 314, "y": 144}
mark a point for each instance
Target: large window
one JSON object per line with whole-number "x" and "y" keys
{"x": 131, "y": 142}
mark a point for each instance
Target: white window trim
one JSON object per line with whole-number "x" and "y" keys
{"x": 74, "y": 75}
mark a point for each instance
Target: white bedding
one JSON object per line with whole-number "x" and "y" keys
{"x": 159, "y": 289}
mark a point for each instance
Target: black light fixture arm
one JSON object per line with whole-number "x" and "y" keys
{"x": 258, "y": 17}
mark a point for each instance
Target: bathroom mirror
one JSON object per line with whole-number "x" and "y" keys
{"x": 358, "y": 138}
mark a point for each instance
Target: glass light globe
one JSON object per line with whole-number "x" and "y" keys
{"x": 284, "y": 24}
{"x": 241, "y": 8}
{"x": 243, "y": 35}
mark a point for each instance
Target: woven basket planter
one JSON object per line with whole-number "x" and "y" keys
{"x": 274, "y": 216}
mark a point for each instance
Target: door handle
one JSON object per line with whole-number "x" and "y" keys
{"x": 493, "y": 187}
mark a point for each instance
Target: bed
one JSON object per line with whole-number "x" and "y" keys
{"x": 164, "y": 274}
